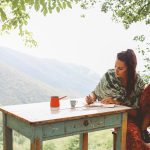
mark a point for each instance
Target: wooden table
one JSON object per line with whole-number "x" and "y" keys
{"x": 38, "y": 122}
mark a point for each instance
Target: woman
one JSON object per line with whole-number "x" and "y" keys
{"x": 123, "y": 86}
{"x": 145, "y": 113}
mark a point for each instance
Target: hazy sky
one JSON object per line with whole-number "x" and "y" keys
{"x": 92, "y": 41}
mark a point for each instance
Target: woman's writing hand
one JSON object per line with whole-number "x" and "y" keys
{"x": 89, "y": 99}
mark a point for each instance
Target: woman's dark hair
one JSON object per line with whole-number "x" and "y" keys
{"x": 129, "y": 58}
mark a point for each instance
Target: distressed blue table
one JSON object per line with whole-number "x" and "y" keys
{"x": 38, "y": 122}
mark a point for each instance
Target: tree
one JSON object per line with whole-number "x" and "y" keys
{"x": 128, "y": 11}
{"x": 144, "y": 50}
{"x": 16, "y": 13}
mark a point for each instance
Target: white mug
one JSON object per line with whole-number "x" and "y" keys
{"x": 73, "y": 103}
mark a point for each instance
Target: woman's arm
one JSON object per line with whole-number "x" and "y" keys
{"x": 110, "y": 100}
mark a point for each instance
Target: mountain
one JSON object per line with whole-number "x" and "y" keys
{"x": 24, "y": 78}
{"x": 16, "y": 87}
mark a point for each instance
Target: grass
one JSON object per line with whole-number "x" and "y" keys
{"x": 100, "y": 140}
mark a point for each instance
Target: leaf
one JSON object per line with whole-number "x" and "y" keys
{"x": 31, "y": 2}
{"x": 69, "y": 4}
{"x": 37, "y": 5}
{"x": 54, "y": 4}
{"x": 3, "y": 15}
{"x": 45, "y": 11}
{"x": 27, "y": 1}
{"x": 23, "y": 5}
{"x": 64, "y": 5}
{"x": 49, "y": 6}
{"x": 58, "y": 9}
{"x": 104, "y": 7}
{"x": 50, "y": 9}
{"x": 59, "y": 4}
{"x": 76, "y": 1}
{"x": 4, "y": 27}
{"x": 14, "y": 23}
{"x": 42, "y": 2}
{"x": 15, "y": 3}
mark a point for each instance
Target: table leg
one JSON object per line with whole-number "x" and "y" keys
{"x": 124, "y": 131}
{"x": 121, "y": 134}
{"x": 7, "y": 135}
{"x": 36, "y": 144}
{"x": 84, "y": 141}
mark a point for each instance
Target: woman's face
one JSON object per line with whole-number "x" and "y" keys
{"x": 120, "y": 69}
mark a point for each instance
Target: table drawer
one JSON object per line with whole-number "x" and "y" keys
{"x": 53, "y": 129}
{"x": 113, "y": 120}
{"x": 84, "y": 124}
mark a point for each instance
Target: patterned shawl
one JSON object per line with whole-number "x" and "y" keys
{"x": 110, "y": 86}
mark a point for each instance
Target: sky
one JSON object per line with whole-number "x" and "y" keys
{"x": 92, "y": 41}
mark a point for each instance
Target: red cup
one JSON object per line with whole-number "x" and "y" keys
{"x": 54, "y": 101}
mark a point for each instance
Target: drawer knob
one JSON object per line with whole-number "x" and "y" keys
{"x": 85, "y": 123}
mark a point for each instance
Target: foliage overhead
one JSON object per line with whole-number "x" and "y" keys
{"x": 14, "y": 14}
{"x": 144, "y": 50}
{"x": 128, "y": 11}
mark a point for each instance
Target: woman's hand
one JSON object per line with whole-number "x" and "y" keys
{"x": 90, "y": 99}
{"x": 109, "y": 100}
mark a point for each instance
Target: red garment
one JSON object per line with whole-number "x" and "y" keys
{"x": 134, "y": 141}
{"x": 145, "y": 101}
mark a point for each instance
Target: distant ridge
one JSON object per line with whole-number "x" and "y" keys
{"x": 17, "y": 88}
{"x": 25, "y": 79}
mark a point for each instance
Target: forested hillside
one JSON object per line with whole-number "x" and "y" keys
{"x": 17, "y": 88}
